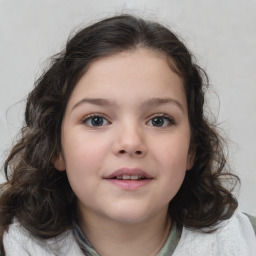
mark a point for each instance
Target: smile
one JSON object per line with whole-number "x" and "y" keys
{"x": 127, "y": 173}
{"x": 129, "y": 178}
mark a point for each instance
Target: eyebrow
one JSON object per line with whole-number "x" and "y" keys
{"x": 95, "y": 101}
{"x": 153, "y": 102}
{"x": 162, "y": 101}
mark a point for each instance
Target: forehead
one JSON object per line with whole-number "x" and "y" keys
{"x": 135, "y": 74}
{"x": 140, "y": 54}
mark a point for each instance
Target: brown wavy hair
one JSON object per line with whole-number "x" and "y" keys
{"x": 40, "y": 196}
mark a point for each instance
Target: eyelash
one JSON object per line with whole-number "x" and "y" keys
{"x": 90, "y": 117}
{"x": 169, "y": 119}
{"x": 166, "y": 117}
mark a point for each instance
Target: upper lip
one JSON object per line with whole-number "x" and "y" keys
{"x": 128, "y": 171}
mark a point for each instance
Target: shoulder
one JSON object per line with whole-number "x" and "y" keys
{"x": 253, "y": 221}
{"x": 18, "y": 241}
{"x": 234, "y": 236}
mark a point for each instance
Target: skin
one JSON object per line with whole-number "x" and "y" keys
{"x": 132, "y": 133}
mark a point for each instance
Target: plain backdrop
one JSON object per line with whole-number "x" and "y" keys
{"x": 220, "y": 33}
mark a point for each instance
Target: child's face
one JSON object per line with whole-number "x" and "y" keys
{"x": 126, "y": 117}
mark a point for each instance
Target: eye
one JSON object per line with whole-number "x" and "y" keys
{"x": 95, "y": 121}
{"x": 161, "y": 121}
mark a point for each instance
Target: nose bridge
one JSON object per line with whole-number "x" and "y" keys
{"x": 131, "y": 133}
{"x": 130, "y": 139}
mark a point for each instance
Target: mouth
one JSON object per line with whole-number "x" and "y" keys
{"x": 127, "y": 173}
{"x": 129, "y": 178}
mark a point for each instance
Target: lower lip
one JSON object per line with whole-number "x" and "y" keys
{"x": 130, "y": 184}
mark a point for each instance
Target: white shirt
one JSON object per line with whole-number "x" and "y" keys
{"x": 234, "y": 237}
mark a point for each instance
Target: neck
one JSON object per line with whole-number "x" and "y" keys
{"x": 109, "y": 237}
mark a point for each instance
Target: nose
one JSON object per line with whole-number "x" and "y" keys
{"x": 130, "y": 141}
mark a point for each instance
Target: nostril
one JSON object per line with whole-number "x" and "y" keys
{"x": 130, "y": 152}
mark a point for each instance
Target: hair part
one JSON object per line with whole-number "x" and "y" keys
{"x": 37, "y": 194}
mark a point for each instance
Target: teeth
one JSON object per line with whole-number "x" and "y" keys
{"x": 134, "y": 177}
{"x": 129, "y": 177}
{"x": 126, "y": 177}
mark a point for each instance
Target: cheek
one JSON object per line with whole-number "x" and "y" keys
{"x": 173, "y": 152}
{"x": 82, "y": 170}
{"x": 84, "y": 163}
{"x": 83, "y": 150}
{"x": 172, "y": 159}
{"x": 81, "y": 160}
{"x": 173, "y": 175}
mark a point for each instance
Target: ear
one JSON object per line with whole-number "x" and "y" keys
{"x": 59, "y": 162}
{"x": 190, "y": 160}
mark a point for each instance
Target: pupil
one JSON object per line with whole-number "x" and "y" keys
{"x": 158, "y": 121}
{"x": 97, "y": 121}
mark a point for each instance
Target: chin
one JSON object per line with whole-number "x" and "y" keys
{"x": 131, "y": 215}
{"x": 129, "y": 219}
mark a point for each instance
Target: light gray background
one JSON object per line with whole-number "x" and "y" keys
{"x": 221, "y": 34}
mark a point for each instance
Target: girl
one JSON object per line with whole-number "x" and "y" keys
{"x": 117, "y": 157}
